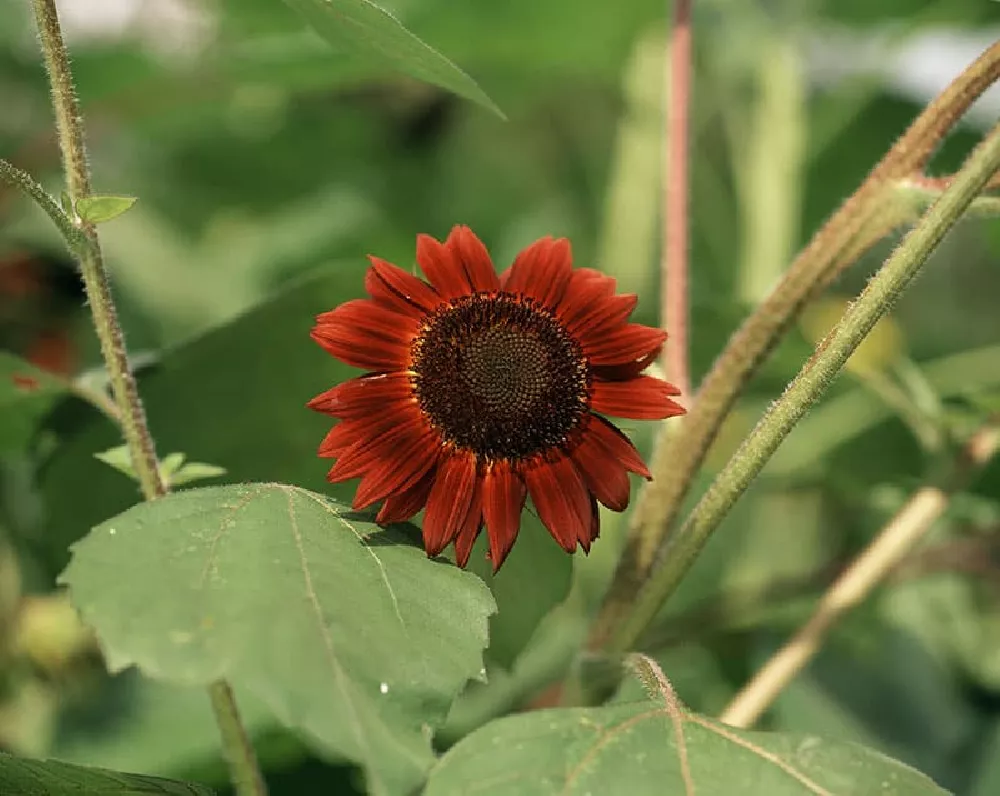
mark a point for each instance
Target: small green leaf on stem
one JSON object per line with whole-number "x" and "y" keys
{"x": 174, "y": 469}
{"x": 193, "y": 471}
{"x": 119, "y": 459}
{"x": 99, "y": 208}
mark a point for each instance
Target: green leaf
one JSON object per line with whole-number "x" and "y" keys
{"x": 234, "y": 578}
{"x": 659, "y": 748}
{"x": 20, "y": 777}
{"x": 173, "y": 468}
{"x": 366, "y": 29}
{"x": 99, "y": 208}
{"x": 195, "y": 471}
{"x": 119, "y": 459}
{"x": 26, "y": 395}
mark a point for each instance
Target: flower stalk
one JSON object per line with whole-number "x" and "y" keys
{"x": 859, "y": 223}
{"x": 812, "y": 381}
{"x": 82, "y": 238}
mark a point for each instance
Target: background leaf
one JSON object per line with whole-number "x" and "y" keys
{"x": 364, "y": 28}
{"x": 26, "y": 394}
{"x": 346, "y": 631}
{"x": 643, "y": 748}
{"x": 20, "y": 777}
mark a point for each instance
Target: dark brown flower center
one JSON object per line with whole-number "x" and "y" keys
{"x": 500, "y": 376}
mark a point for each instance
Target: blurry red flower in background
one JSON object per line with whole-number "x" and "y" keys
{"x": 483, "y": 390}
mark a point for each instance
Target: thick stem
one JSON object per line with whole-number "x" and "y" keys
{"x": 812, "y": 381}
{"x": 237, "y": 747}
{"x": 910, "y": 524}
{"x": 677, "y": 457}
{"x": 674, "y": 272}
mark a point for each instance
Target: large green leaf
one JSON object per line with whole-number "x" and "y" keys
{"x": 364, "y": 28}
{"x": 20, "y": 777}
{"x": 345, "y": 630}
{"x": 660, "y": 748}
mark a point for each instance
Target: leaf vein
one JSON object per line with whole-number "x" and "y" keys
{"x": 324, "y": 630}
{"x": 770, "y": 757}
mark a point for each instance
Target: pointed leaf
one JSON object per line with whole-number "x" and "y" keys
{"x": 195, "y": 471}
{"x": 20, "y": 777}
{"x": 364, "y": 28}
{"x": 346, "y": 631}
{"x": 651, "y": 749}
{"x": 103, "y": 207}
{"x": 119, "y": 459}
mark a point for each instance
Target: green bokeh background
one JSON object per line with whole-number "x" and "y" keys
{"x": 267, "y": 165}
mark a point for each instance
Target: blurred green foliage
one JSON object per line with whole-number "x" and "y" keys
{"x": 267, "y": 165}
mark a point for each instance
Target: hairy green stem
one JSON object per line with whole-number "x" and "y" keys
{"x": 74, "y": 154}
{"x": 239, "y": 752}
{"x": 812, "y": 381}
{"x": 76, "y": 239}
{"x": 677, "y": 456}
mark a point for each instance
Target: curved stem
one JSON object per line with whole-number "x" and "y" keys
{"x": 879, "y": 559}
{"x": 677, "y": 456}
{"x": 236, "y": 744}
{"x": 812, "y": 381}
{"x": 75, "y": 238}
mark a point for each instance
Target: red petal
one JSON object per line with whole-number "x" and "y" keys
{"x": 471, "y": 527}
{"x": 448, "y": 504}
{"x": 366, "y": 335}
{"x": 604, "y": 475}
{"x": 617, "y": 445}
{"x": 641, "y": 398}
{"x": 594, "y": 530}
{"x": 397, "y": 289}
{"x": 408, "y": 463}
{"x": 588, "y": 289}
{"x": 602, "y": 317}
{"x": 366, "y": 396}
{"x": 400, "y": 506}
{"x": 442, "y": 267}
{"x": 373, "y": 449}
{"x": 624, "y": 345}
{"x": 561, "y": 499}
{"x": 340, "y": 438}
{"x": 475, "y": 260}
{"x": 542, "y": 271}
{"x": 503, "y": 501}
{"x": 627, "y": 370}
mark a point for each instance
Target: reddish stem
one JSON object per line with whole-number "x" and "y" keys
{"x": 674, "y": 267}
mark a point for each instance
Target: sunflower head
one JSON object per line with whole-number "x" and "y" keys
{"x": 482, "y": 390}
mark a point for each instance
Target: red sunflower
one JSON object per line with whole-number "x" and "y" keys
{"x": 484, "y": 390}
